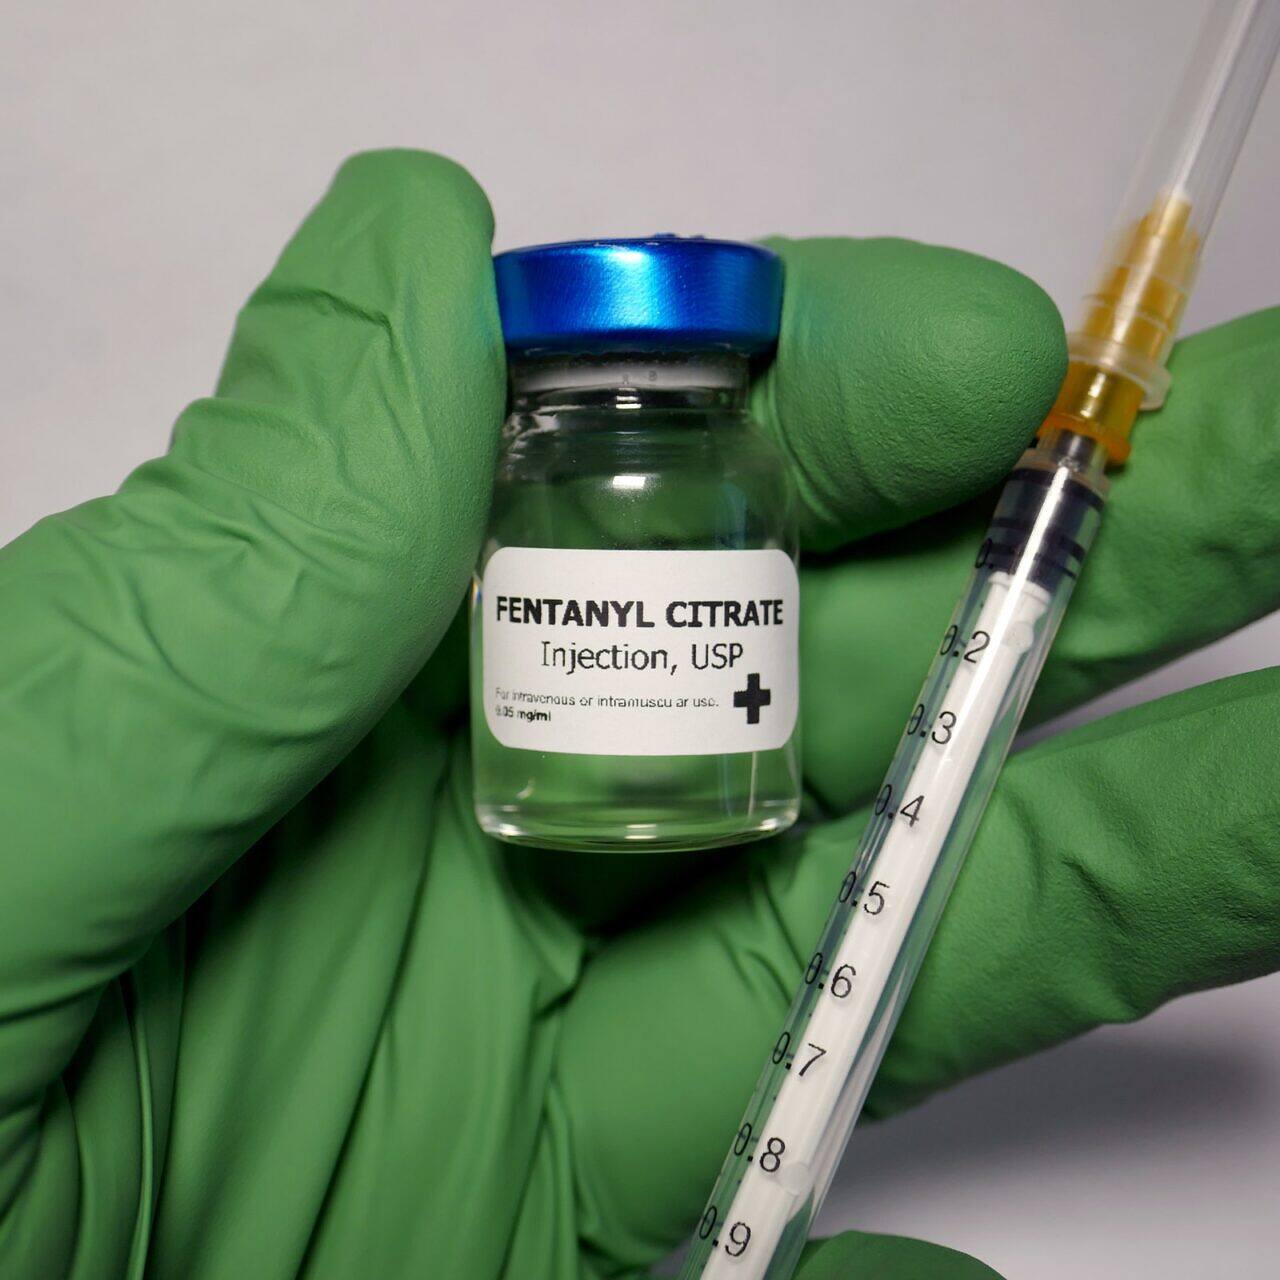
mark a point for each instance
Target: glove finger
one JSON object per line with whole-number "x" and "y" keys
{"x": 1117, "y": 867}
{"x": 857, "y": 1255}
{"x": 907, "y": 378}
{"x": 189, "y": 656}
{"x": 1189, "y": 550}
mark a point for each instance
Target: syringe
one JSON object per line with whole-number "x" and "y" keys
{"x": 854, "y": 986}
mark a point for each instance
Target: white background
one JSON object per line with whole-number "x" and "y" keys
{"x": 153, "y": 159}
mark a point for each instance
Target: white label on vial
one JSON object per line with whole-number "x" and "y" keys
{"x": 640, "y": 653}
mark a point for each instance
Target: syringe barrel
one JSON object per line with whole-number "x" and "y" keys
{"x": 855, "y": 985}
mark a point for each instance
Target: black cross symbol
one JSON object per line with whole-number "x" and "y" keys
{"x": 753, "y": 697}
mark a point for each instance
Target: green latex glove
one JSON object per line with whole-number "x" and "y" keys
{"x": 270, "y": 1005}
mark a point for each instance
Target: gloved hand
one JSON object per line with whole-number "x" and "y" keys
{"x": 270, "y": 1005}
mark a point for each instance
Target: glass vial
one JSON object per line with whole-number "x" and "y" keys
{"x": 635, "y": 609}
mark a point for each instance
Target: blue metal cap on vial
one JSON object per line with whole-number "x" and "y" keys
{"x": 656, "y": 293}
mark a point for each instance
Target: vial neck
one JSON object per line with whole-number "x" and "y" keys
{"x": 695, "y": 380}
